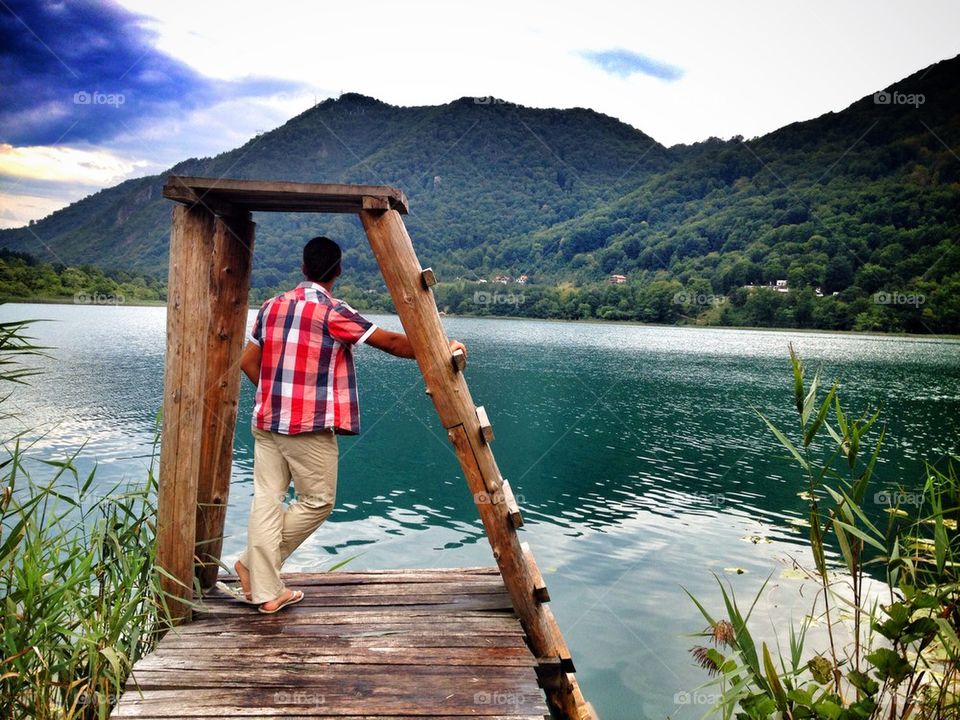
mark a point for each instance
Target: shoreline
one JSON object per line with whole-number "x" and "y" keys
{"x": 587, "y": 321}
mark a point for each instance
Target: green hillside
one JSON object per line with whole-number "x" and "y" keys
{"x": 860, "y": 205}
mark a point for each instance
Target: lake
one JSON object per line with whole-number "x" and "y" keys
{"x": 636, "y": 455}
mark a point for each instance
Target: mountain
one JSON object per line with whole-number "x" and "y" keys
{"x": 859, "y": 203}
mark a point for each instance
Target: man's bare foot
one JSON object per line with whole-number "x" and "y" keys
{"x": 287, "y": 597}
{"x": 244, "y": 576}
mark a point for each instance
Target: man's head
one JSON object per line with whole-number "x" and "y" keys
{"x": 321, "y": 260}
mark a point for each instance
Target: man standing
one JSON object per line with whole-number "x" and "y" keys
{"x": 300, "y": 359}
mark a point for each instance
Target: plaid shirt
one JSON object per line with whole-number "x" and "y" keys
{"x": 307, "y": 378}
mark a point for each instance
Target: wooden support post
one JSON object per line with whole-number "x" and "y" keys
{"x": 188, "y": 312}
{"x": 418, "y": 313}
{"x": 228, "y": 293}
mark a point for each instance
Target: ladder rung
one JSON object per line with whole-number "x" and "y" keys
{"x": 486, "y": 429}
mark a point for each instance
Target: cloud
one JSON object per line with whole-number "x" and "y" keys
{"x": 65, "y": 164}
{"x": 86, "y": 72}
{"x": 624, "y": 63}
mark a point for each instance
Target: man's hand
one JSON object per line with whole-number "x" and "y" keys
{"x": 457, "y": 345}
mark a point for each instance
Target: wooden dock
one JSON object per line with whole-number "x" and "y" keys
{"x": 380, "y": 644}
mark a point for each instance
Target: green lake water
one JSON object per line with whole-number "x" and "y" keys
{"x": 635, "y": 453}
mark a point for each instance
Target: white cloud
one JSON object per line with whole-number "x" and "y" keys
{"x": 93, "y": 167}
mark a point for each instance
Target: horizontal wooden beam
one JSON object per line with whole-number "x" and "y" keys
{"x": 282, "y": 196}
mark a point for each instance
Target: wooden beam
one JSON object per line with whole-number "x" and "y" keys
{"x": 428, "y": 277}
{"x": 513, "y": 510}
{"x": 188, "y": 311}
{"x": 227, "y": 296}
{"x": 486, "y": 429}
{"x": 540, "y": 591}
{"x": 418, "y": 313}
{"x": 283, "y": 196}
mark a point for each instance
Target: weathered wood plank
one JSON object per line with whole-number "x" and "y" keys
{"x": 282, "y": 196}
{"x": 188, "y": 310}
{"x": 352, "y": 698}
{"x": 227, "y": 297}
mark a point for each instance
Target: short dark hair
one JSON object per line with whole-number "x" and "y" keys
{"x": 321, "y": 259}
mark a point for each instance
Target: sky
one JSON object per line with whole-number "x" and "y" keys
{"x": 93, "y": 93}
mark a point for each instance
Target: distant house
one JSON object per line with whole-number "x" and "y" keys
{"x": 778, "y": 286}
{"x": 502, "y": 279}
{"x": 523, "y": 279}
{"x": 482, "y": 280}
{"x": 618, "y": 279}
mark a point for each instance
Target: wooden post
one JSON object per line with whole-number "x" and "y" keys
{"x": 228, "y": 293}
{"x": 417, "y": 309}
{"x": 188, "y": 312}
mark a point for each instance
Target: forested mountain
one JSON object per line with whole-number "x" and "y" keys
{"x": 862, "y": 203}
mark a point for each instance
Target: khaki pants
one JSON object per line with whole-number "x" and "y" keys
{"x": 273, "y": 532}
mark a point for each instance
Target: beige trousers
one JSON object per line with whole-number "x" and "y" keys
{"x": 273, "y": 532}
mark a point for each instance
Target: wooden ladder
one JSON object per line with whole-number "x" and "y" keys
{"x": 471, "y": 433}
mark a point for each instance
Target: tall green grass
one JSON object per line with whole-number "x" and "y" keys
{"x": 80, "y": 598}
{"x": 901, "y": 660}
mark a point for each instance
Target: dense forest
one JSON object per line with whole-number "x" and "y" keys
{"x": 854, "y": 214}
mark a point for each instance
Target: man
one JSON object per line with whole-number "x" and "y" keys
{"x": 299, "y": 357}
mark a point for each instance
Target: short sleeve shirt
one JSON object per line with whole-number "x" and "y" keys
{"x": 307, "y": 378}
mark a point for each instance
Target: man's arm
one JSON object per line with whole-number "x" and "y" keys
{"x": 397, "y": 343}
{"x": 250, "y": 362}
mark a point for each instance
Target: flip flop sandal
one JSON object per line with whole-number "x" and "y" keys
{"x": 296, "y": 597}
{"x": 235, "y": 592}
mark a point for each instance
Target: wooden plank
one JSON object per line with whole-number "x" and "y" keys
{"x": 352, "y": 699}
{"x": 513, "y": 510}
{"x": 562, "y": 651}
{"x": 191, "y": 242}
{"x": 428, "y": 278}
{"x": 215, "y": 657}
{"x": 540, "y": 591}
{"x": 486, "y": 429}
{"x": 283, "y": 196}
{"x": 227, "y": 297}
{"x": 459, "y": 360}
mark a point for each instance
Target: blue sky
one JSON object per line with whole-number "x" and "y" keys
{"x": 92, "y": 93}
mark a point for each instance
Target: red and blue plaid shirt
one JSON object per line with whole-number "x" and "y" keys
{"x": 307, "y": 377}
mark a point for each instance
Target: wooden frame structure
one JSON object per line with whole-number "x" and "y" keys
{"x": 211, "y": 249}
